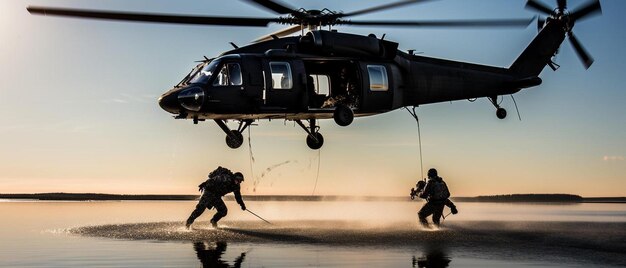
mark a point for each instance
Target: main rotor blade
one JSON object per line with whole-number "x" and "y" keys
{"x": 382, "y": 7}
{"x": 150, "y": 17}
{"x": 593, "y": 7}
{"x": 580, "y": 51}
{"x": 280, "y": 33}
{"x": 538, "y": 6}
{"x": 275, "y": 6}
{"x": 444, "y": 23}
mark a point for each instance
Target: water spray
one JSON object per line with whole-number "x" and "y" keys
{"x": 258, "y": 216}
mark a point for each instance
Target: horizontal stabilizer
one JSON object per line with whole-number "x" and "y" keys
{"x": 524, "y": 82}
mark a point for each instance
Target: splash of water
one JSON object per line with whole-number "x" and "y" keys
{"x": 269, "y": 169}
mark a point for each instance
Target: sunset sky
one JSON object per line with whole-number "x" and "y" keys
{"x": 79, "y": 108}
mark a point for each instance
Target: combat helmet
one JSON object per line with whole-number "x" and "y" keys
{"x": 432, "y": 172}
{"x": 238, "y": 176}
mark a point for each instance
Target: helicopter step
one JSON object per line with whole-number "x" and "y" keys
{"x": 234, "y": 138}
{"x": 314, "y": 139}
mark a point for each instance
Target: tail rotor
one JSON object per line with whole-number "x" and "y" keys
{"x": 561, "y": 15}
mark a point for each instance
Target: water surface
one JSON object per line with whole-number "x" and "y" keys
{"x": 318, "y": 234}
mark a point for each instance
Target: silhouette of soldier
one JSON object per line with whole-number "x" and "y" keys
{"x": 436, "y": 194}
{"x": 348, "y": 85}
{"x": 431, "y": 260}
{"x": 346, "y": 93}
{"x": 212, "y": 257}
{"x": 221, "y": 181}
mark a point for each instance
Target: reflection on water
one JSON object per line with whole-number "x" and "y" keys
{"x": 211, "y": 255}
{"x": 434, "y": 259}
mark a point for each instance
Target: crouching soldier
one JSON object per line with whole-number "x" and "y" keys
{"x": 221, "y": 181}
{"x": 436, "y": 193}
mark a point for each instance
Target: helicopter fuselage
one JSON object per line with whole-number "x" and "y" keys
{"x": 326, "y": 74}
{"x": 308, "y": 77}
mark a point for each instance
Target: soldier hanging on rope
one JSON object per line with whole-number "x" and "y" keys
{"x": 436, "y": 193}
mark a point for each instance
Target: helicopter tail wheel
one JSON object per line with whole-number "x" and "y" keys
{"x": 315, "y": 140}
{"x": 234, "y": 140}
{"x": 501, "y": 113}
{"x": 343, "y": 115}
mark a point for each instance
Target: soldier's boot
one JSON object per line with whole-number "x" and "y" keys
{"x": 188, "y": 223}
{"x": 424, "y": 222}
{"x": 214, "y": 224}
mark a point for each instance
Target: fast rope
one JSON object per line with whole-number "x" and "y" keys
{"x": 444, "y": 217}
{"x": 250, "y": 151}
{"x": 419, "y": 138}
{"x": 258, "y": 216}
{"x": 317, "y": 175}
{"x": 518, "y": 115}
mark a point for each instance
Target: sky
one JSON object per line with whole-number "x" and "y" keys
{"x": 79, "y": 109}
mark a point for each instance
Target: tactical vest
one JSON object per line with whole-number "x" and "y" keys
{"x": 439, "y": 190}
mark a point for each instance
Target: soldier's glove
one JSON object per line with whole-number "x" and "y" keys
{"x": 243, "y": 207}
{"x": 201, "y": 187}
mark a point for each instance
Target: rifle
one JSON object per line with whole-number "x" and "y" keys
{"x": 420, "y": 187}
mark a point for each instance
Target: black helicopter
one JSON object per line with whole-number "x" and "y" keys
{"x": 324, "y": 74}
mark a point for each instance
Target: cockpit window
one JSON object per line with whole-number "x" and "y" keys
{"x": 190, "y": 74}
{"x": 281, "y": 75}
{"x": 229, "y": 75}
{"x": 204, "y": 74}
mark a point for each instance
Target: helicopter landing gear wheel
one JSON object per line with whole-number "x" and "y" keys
{"x": 234, "y": 140}
{"x": 315, "y": 140}
{"x": 501, "y": 113}
{"x": 343, "y": 115}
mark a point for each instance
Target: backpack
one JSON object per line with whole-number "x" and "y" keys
{"x": 220, "y": 172}
{"x": 439, "y": 190}
{"x": 217, "y": 177}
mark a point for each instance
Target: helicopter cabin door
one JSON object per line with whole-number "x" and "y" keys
{"x": 284, "y": 85}
{"x": 377, "y": 87}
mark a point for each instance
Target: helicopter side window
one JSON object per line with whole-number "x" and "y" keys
{"x": 229, "y": 75}
{"x": 378, "y": 78}
{"x": 321, "y": 84}
{"x": 281, "y": 75}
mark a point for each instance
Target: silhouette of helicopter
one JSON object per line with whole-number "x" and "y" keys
{"x": 325, "y": 74}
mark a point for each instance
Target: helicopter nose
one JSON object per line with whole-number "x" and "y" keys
{"x": 191, "y": 98}
{"x": 169, "y": 102}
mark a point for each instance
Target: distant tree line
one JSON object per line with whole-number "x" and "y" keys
{"x": 569, "y": 198}
{"x": 95, "y": 197}
{"x": 524, "y": 198}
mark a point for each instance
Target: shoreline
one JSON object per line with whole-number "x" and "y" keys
{"x": 516, "y": 198}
